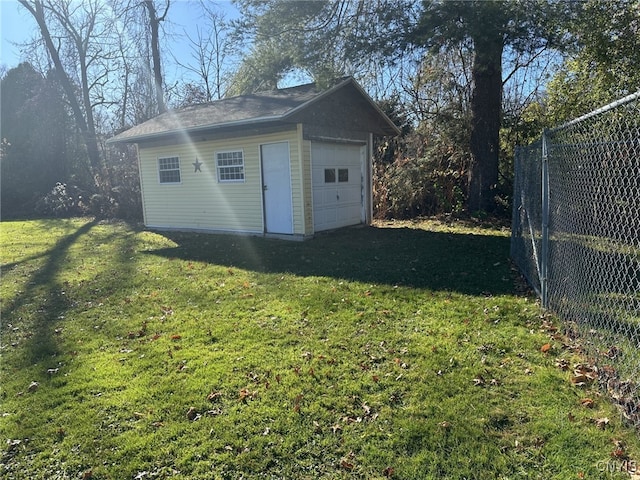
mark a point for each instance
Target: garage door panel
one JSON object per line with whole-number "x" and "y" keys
{"x": 346, "y": 214}
{"x": 349, "y": 194}
{"x": 325, "y": 220}
{"x": 336, "y": 203}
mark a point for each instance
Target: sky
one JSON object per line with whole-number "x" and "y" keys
{"x": 17, "y": 26}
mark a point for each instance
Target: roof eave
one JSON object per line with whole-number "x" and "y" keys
{"x": 198, "y": 129}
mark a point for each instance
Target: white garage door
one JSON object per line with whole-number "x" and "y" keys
{"x": 338, "y": 187}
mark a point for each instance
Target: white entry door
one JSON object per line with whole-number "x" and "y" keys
{"x": 276, "y": 188}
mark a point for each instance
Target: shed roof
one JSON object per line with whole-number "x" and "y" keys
{"x": 282, "y": 105}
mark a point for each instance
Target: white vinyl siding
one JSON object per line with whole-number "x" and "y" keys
{"x": 201, "y": 201}
{"x": 169, "y": 170}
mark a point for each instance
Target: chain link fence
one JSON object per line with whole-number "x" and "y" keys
{"x": 576, "y": 238}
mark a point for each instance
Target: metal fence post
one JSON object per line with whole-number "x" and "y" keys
{"x": 544, "y": 254}
{"x": 515, "y": 204}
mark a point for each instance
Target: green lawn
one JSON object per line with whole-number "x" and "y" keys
{"x": 399, "y": 351}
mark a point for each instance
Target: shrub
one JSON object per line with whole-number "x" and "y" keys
{"x": 418, "y": 179}
{"x": 63, "y": 201}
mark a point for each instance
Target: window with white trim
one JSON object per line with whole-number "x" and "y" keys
{"x": 230, "y": 166}
{"x": 169, "y": 170}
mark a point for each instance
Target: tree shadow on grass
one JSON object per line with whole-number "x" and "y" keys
{"x": 464, "y": 263}
{"x": 44, "y": 297}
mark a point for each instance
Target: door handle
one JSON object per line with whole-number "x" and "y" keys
{"x": 264, "y": 188}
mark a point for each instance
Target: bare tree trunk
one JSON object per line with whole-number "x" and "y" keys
{"x": 154, "y": 23}
{"x": 486, "y": 107}
{"x": 82, "y": 111}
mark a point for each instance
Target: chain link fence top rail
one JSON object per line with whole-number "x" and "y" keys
{"x": 576, "y": 238}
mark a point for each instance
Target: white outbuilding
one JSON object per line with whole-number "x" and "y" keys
{"x": 290, "y": 162}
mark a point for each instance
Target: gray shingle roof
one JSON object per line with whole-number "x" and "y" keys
{"x": 262, "y": 107}
{"x": 254, "y": 108}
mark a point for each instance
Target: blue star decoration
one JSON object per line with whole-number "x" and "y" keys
{"x": 197, "y": 165}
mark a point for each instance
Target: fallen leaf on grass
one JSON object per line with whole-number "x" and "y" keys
{"x": 400, "y": 363}
{"x": 176, "y": 337}
{"x": 612, "y": 353}
{"x": 214, "y": 396}
{"x": 618, "y": 443}
{"x": 619, "y": 453}
{"x": 584, "y": 374}
{"x": 388, "y": 472}
{"x": 545, "y": 348}
{"x": 12, "y": 444}
{"x": 548, "y": 326}
{"x": 479, "y": 381}
{"x": 590, "y": 371}
{"x": 587, "y": 402}
{"x": 246, "y": 394}
{"x": 601, "y": 423}
{"x": 347, "y": 465}
{"x": 192, "y": 414}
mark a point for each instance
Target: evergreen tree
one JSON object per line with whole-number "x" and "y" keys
{"x": 491, "y": 28}
{"x": 34, "y": 138}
